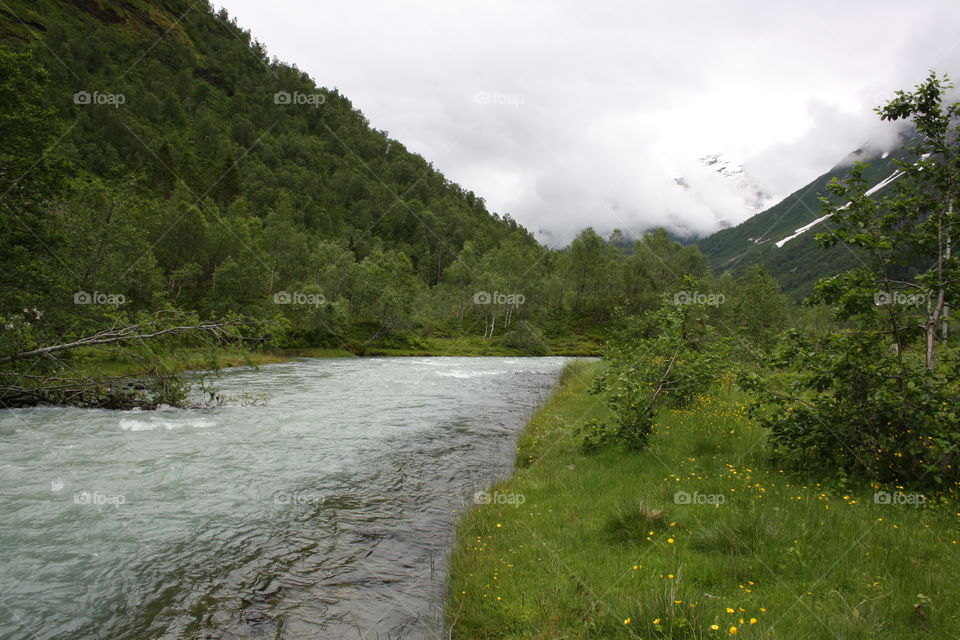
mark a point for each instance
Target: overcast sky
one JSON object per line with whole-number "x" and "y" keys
{"x": 568, "y": 114}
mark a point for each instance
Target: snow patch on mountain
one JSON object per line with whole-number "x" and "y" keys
{"x": 755, "y": 198}
{"x": 869, "y": 192}
{"x": 723, "y": 187}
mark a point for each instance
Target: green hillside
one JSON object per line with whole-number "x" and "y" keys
{"x": 194, "y": 171}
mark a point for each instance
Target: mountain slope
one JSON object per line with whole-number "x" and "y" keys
{"x": 202, "y": 174}
{"x": 782, "y": 238}
{"x": 203, "y": 107}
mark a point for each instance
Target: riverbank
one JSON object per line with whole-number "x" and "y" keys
{"x": 115, "y": 361}
{"x": 463, "y": 346}
{"x": 701, "y": 536}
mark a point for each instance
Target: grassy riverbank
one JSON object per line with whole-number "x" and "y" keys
{"x": 469, "y": 345}
{"x": 701, "y": 536}
{"x": 115, "y": 361}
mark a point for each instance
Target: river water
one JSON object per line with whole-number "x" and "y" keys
{"x": 326, "y": 513}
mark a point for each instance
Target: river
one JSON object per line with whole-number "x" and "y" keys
{"x": 326, "y": 513}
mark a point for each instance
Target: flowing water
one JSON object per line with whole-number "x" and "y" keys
{"x": 327, "y": 513}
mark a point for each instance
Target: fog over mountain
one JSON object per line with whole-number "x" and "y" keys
{"x": 565, "y": 114}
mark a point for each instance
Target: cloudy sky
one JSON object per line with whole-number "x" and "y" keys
{"x": 567, "y": 114}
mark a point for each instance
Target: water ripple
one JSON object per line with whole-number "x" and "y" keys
{"x": 325, "y": 514}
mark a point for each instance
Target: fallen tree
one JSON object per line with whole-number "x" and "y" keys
{"x": 49, "y": 374}
{"x": 139, "y": 331}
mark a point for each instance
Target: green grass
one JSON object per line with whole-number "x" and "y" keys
{"x": 432, "y": 346}
{"x": 468, "y": 345}
{"x": 115, "y": 361}
{"x": 471, "y": 345}
{"x": 601, "y": 539}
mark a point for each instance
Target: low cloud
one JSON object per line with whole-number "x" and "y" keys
{"x": 564, "y": 114}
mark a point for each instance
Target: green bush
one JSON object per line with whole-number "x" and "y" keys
{"x": 527, "y": 338}
{"x": 660, "y": 359}
{"x": 852, "y": 404}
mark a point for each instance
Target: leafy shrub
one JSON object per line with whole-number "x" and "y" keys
{"x": 877, "y": 397}
{"x": 852, "y": 404}
{"x": 664, "y": 358}
{"x": 527, "y": 338}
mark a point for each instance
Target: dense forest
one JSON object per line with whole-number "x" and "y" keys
{"x": 174, "y": 174}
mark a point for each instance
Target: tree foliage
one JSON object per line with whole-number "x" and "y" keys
{"x": 660, "y": 359}
{"x": 871, "y": 396}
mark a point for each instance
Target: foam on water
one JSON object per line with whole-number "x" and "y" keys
{"x": 131, "y": 424}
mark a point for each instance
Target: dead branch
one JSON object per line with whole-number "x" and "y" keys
{"x": 139, "y": 331}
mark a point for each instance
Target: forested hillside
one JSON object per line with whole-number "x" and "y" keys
{"x": 202, "y": 174}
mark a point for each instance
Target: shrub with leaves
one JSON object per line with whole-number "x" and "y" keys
{"x": 850, "y": 403}
{"x": 527, "y": 338}
{"x": 661, "y": 359}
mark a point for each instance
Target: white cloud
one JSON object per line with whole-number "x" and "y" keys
{"x": 596, "y": 107}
